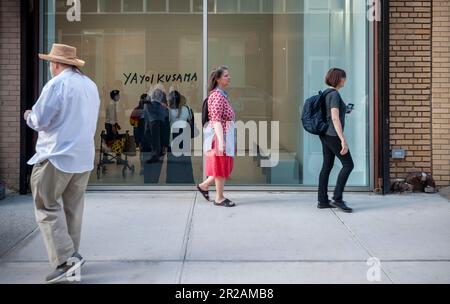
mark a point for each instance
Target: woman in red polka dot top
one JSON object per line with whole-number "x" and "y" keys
{"x": 219, "y": 137}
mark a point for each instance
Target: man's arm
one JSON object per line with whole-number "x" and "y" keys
{"x": 45, "y": 109}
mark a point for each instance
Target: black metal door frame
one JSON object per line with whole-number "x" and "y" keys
{"x": 383, "y": 72}
{"x": 29, "y": 69}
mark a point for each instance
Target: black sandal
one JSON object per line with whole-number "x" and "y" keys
{"x": 204, "y": 193}
{"x": 225, "y": 203}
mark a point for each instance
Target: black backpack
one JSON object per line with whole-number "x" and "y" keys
{"x": 314, "y": 115}
{"x": 205, "y": 118}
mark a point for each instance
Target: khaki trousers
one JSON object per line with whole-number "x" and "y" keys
{"x": 59, "y": 202}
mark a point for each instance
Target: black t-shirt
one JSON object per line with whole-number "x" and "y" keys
{"x": 334, "y": 100}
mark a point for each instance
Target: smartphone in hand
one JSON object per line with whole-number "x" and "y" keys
{"x": 350, "y": 107}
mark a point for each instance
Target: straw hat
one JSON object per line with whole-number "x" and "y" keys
{"x": 64, "y": 54}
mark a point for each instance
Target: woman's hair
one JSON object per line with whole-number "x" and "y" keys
{"x": 216, "y": 74}
{"x": 174, "y": 100}
{"x": 334, "y": 77}
{"x": 142, "y": 100}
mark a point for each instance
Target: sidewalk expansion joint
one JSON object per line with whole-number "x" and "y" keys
{"x": 21, "y": 242}
{"x": 360, "y": 243}
{"x": 187, "y": 235}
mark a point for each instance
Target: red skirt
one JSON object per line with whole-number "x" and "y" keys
{"x": 218, "y": 166}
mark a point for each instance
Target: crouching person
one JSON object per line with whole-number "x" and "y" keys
{"x": 65, "y": 117}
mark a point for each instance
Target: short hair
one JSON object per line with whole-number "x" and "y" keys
{"x": 114, "y": 93}
{"x": 334, "y": 77}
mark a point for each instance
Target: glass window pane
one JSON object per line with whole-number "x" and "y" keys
{"x": 274, "y": 6}
{"x": 278, "y": 60}
{"x": 139, "y": 54}
{"x": 179, "y": 6}
{"x": 156, "y": 5}
{"x": 294, "y": 6}
{"x": 211, "y": 6}
{"x": 87, "y": 6}
{"x": 132, "y": 5}
{"x": 267, "y": 6}
{"x": 110, "y": 6}
{"x": 251, "y": 6}
{"x": 60, "y": 6}
{"x": 227, "y": 6}
{"x": 198, "y": 5}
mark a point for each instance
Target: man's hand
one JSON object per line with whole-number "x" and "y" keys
{"x": 25, "y": 115}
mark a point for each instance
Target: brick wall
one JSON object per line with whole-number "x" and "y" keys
{"x": 441, "y": 92}
{"x": 9, "y": 92}
{"x": 410, "y": 85}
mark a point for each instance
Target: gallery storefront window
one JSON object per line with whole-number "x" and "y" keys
{"x": 278, "y": 52}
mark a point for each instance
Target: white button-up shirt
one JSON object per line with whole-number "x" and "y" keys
{"x": 112, "y": 111}
{"x": 65, "y": 116}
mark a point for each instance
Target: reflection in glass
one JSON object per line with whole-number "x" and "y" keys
{"x": 179, "y": 165}
{"x": 227, "y": 6}
{"x": 156, "y": 5}
{"x": 276, "y": 61}
{"x": 278, "y": 53}
{"x": 273, "y": 6}
{"x": 86, "y": 7}
{"x": 60, "y": 7}
{"x": 251, "y": 6}
{"x": 137, "y": 54}
{"x": 132, "y": 5}
{"x": 110, "y": 6}
{"x": 294, "y": 6}
{"x": 198, "y": 5}
{"x": 179, "y": 6}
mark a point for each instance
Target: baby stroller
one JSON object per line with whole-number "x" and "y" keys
{"x": 111, "y": 151}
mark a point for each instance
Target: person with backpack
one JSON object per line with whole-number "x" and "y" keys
{"x": 219, "y": 136}
{"x": 334, "y": 143}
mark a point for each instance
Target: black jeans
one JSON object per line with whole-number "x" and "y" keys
{"x": 331, "y": 146}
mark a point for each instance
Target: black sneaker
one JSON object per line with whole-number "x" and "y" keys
{"x": 325, "y": 205}
{"x": 66, "y": 269}
{"x": 342, "y": 206}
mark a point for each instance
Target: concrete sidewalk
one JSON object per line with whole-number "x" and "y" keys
{"x": 177, "y": 237}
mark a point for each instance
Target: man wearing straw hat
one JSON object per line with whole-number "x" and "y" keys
{"x": 65, "y": 116}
